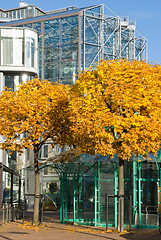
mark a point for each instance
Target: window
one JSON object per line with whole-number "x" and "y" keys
{"x": 12, "y": 82}
{"x": 9, "y": 82}
{"x": 30, "y": 49}
{"x": 7, "y": 51}
{"x": 12, "y": 47}
{"x": 43, "y": 152}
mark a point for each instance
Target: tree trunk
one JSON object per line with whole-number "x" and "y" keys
{"x": 37, "y": 189}
{"x": 120, "y": 225}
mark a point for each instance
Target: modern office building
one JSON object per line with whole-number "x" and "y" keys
{"x": 18, "y": 62}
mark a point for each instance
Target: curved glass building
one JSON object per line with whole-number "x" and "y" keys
{"x": 18, "y": 56}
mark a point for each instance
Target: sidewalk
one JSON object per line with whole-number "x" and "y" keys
{"x": 53, "y": 230}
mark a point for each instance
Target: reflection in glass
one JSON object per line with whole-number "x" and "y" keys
{"x": 69, "y": 29}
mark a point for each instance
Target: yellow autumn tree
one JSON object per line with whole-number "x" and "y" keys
{"x": 36, "y": 112}
{"x": 117, "y": 109}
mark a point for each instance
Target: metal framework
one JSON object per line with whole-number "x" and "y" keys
{"x": 116, "y": 37}
{"x": 85, "y": 185}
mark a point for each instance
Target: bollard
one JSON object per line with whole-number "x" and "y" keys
{"x": 121, "y": 213}
{"x": 7, "y": 213}
{"x": 24, "y": 207}
{"x": 13, "y": 212}
{"x": 130, "y": 215}
{"x": 41, "y": 210}
{"x": 3, "y": 209}
{"x": 121, "y": 217}
{"x": 106, "y": 212}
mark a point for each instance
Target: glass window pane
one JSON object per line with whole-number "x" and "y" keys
{"x": 7, "y": 51}
{"x": 9, "y": 82}
{"x": 28, "y": 25}
{"x": 91, "y": 55}
{"x": 37, "y": 27}
{"x": 69, "y": 69}
{"x": 92, "y": 30}
{"x": 18, "y": 52}
{"x": 94, "y": 11}
{"x": 30, "y": 50}
{"x": 52, "y": 32}
{"x": 33, "y": 52}
{"x": 51, "y": 71}
{"x": 51, "y": 54}
{"x": 70, "y": 52}
{"x": 69, "y": 29}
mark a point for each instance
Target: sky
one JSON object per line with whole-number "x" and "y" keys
{"x": 147, "y": 14}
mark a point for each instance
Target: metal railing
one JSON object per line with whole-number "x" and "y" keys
{"x": 148, "y": 213}
{"x": 10, "y": 212}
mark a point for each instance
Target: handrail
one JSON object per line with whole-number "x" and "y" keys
{"x": 151, "y": 207}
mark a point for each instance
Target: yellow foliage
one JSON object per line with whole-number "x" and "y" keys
{"x": 38, "y": 110}
{"x": 35, "y": 112}
{"x": 117, "y": 109}
{"x": 88, "y": 230}
{"x": 30, "y": 226}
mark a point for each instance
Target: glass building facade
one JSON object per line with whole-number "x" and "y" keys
{"x": 75, "y": 39}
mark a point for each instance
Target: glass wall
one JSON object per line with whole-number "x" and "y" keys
{"x": 91, "y": 36}
{"x": 37, "y": 27}
{"x": 61, "y": 49}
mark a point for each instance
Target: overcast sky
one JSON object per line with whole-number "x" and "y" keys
{"x": 147, "y": 14}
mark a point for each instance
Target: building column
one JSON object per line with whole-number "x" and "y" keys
{"x": 2, "y": 85}
{"x": 2, "y": 82}
{"x": 1, "y": 184}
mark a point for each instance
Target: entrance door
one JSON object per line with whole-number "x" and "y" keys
{"x": 147, "y": 207}
{"x": 149, "y": 203}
